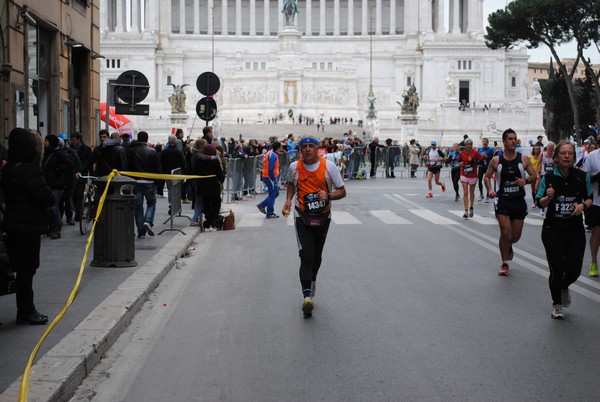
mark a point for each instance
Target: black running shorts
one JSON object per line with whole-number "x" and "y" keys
{"x": 515, "y": 209}
{"x": 592, "y": 216}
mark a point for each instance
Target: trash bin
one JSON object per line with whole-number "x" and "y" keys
{"x": 114, "y": 238}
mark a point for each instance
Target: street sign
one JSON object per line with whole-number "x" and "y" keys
{"x": 139, "y": 109}
{"x": 208, "y": 83}
{"x": 132, "y": 87}
{"x": 206, "y": 109}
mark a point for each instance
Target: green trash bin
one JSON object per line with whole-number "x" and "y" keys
{"x": 114, "y": 238}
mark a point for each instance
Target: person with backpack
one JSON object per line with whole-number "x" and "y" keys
{"x": 28, "y": 197}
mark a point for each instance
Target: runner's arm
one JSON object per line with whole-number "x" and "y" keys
{"x": 488, "y": 176}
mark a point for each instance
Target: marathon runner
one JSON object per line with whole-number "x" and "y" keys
{"x": 455, "y": 168}
{"x": 510, "y": 204}
{"x": 469, "y": 160}
{"x": 591, "y": 165}
{"x": 315, "y": 181}
{"x": 566, "y": 192}
{"x": 487, "y": 153}
{"x": 434, "y": 158}
{"x": 545, "y": 165}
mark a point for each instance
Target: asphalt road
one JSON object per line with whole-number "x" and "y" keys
{"x": 406, "y": 309}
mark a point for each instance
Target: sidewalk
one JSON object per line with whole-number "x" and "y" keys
{"x": 106, "y": 301}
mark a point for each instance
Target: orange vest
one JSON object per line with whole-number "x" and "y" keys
{"x": 265, "y": 171}
{"x": 309, "y": 184}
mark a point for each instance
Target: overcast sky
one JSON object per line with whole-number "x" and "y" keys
{"x": 541, "y": 54}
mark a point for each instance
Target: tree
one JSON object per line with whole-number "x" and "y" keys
{"x": 549, "y": 22}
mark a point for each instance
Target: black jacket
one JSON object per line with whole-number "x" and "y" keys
{"x": 208, "y": 186}
{"x": 142, "y": 158}
{"x": 110, "y": 156}
{"x": 26, "y": 193}
{"x": 57, "y": 168}
{"x": 172, "y": 158}
{"x": 84, "y": 152}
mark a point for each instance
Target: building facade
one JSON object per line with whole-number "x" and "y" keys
{"x": 50, "y": 75}
{"x": 322, "y": 62}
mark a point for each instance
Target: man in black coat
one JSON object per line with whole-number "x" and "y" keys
{"x": 84, "y": 152}
{"x": 143, "y": 158}
{"x": 27, "y": 197}
{"x": 111, "y": 156}
{"x": 57, "y": 168}
{"x": 171, "y": 158}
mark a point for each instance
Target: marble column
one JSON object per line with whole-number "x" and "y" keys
{"x": 308, "y": 18}
{"x": 280, "y": 16}
{"x": 209, "y": 15}
{"x": 267, "y": 26}
{"x": 165, "y": 24}
{"x": 182, "y": 16}
{"x": 252, "y": 17}
{"x": 135, "y": 16}
{"x": 411, "y": 18}
{"x": 378, "y": 17}
{"x": 426, "y": 17}
{"x": 365, "y": 18}
{"x": 472, "y": 13}
{"x": 454, "y": 10}
{"x": 224, "y": 27}
{"x": 440, "y": 16}
{"x": 159, "y": 80}
{"x": 103, "y": 15}
{"x": 392, "y": 17}
{"x": 336, "y": 17}
{"x": 196, "y": 9}
{"x": 322, "y": 18}
{"x": 151, "y": 16}
{"x": 351, "y": 17}
{"x": 238, "y": 17}
{"x": 120, "y": 16}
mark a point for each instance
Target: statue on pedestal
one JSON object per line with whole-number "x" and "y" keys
{"x": 177, "y": 98}
{"x": 290, "y": 9}
{"x": 410, "y": 100}
{"x": 450, "y": 88}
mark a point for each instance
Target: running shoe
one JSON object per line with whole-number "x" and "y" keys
{"x": 511, "y": 253}
{"x": 480, "y": 198}
{"x": 429, "y": 195}
{"x": 487, "y": 200}
{"x": 543, "y": 212}
{"x": 261, "y": 209}
{"x": 466, "y": 214}
{"x": 533, "y": 206}
{"x": 272, "y": 216}
{"x": 503, "y": 269}
{"x": 313, "y": 288}
{"x": 471, "y": 212}
{"x": 557, "y": 312}
{"x": 566, "y": 297}
{"x": 443, "y": 187}
{"x": 593, "y": 270}
{"x": 457, "y": 198}
{"x": 307, "y": 306}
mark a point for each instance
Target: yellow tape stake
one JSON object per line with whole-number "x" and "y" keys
{"x": 26, "y": 374}
{"x": 24, "y": 390}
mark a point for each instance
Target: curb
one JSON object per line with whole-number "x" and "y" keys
{"x": 56, "y": 375}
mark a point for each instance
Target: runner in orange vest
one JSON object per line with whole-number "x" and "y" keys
{"x": 315, "y": 181}
{"x": 270, "y": 174}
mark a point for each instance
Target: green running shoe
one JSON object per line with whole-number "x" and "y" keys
{"x": 593, "y": 270}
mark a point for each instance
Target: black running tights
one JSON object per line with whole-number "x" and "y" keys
{"x": 565, "y": 257}
{"x": 311, "y": 241}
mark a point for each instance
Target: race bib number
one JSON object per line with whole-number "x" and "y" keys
{"x": 511, "y": 188}
{"x": 434, "y": 163}
{"x": 549, "y": 167}
{"x": 313, "y": 204}
{"x": 564, "y": 207}
{"x": 469, "y": 169}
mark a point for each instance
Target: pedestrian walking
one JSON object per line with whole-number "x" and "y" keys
{"x": 566, "y": 192}
{"x": 270, "y": 174}
{"x": 27, "y": 196}
{"x": 313, "y": 182}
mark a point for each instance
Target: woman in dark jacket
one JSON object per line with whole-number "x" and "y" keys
{"x": 27, "y": 197}
{"x": 209, "y": 189}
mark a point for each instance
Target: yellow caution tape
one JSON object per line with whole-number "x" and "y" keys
{"x": 26, "y": 374}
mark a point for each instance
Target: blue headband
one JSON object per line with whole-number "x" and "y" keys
{"x": 308, "y": 140}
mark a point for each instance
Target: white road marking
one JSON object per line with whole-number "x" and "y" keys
{"x": 390, "y": 218}
{"x": 344, "y": 218}
{"x": 476, "y": 218}
{"x": 433, "y": 217}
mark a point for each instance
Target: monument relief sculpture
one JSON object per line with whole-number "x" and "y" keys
{"x": 450, "y": 88}
{"x": 177, "y": 98}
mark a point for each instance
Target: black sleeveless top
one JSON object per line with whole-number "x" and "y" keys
{"x": 506, "y": 176}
